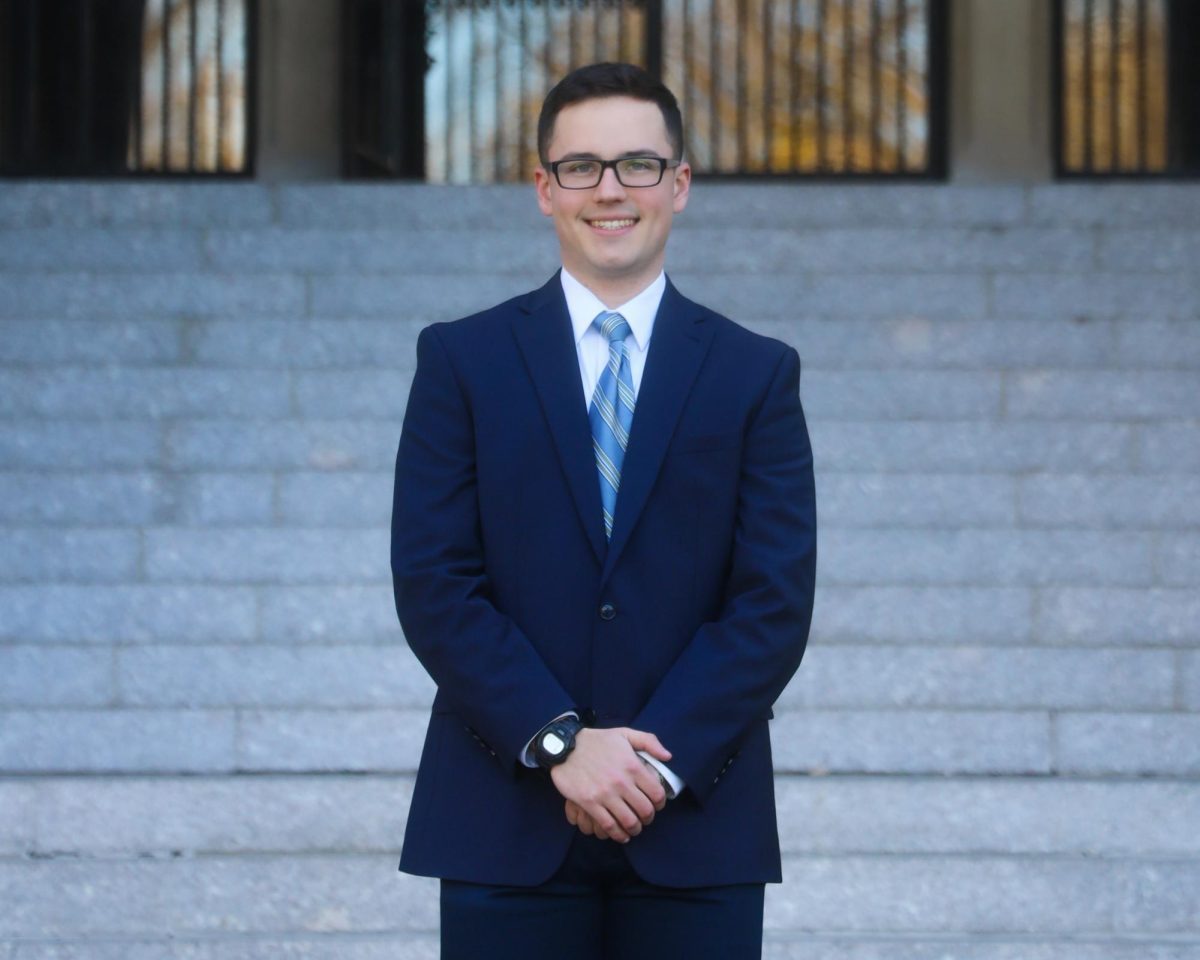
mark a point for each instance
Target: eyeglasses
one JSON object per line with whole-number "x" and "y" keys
{"x": 582, "y": 174}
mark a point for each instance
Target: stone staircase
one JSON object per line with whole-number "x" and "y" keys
{"x": 209, "y": 719}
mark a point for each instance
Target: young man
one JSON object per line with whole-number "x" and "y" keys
{"x": 603, "y": 549}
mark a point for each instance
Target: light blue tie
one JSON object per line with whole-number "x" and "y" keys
{"x": 611, "y": 413}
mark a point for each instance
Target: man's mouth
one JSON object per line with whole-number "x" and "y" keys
{"x": 613, "y": 224}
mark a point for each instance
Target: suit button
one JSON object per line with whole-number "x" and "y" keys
{"x": 607, "y": 611}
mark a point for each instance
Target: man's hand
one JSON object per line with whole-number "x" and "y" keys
{"x": 576, "y": 817}
{"x": 614, "y": 792}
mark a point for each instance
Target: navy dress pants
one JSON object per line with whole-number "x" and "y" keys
{"x": 596, "y": 908}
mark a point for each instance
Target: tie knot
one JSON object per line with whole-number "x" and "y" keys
{"x": 614, "y": 326}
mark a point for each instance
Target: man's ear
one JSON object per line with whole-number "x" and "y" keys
{"x": 541, "y": 183}
{"x": 681, "y": 184}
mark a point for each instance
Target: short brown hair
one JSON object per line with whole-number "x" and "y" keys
{"x": 609, "y": 80}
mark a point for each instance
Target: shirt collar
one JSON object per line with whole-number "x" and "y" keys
{"x": 639, "y": 311}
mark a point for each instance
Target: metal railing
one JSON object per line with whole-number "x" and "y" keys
{"x": 126, "y": 87}
{"x": 491, "y": 64}
{"x": 810, "y": 87}
{"x": 1127, "y": 87}
{"x": 194, "y": 104}
{"x": 826, "y": 88}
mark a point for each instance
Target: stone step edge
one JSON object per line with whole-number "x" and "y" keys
{"x": 769, "y": 936}
{"x": 162, "y": 856}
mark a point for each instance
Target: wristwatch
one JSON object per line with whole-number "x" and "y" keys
{"x": 556, "y": 741}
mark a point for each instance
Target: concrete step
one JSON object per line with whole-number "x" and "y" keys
{"x": 741, "y": 251}
{"x": 355, "y": 498}
{"x": 530, "y": 244}
{"x": 977, "y": 557}
{"x": 943, "y": 615}
{"x": 927, "y": 396}
{"x": 34, "y": 203}
{"x": 805, "y": 946}
{"x": 299, "y": 343}
{"x": 118, "y": 739}
{"x": 319, "y": 443}
{"x": 162, "y": 817}
{"x": 342, "y": 893}
{"x": 1159, "y": 297}
{"x": 348, "y": 676}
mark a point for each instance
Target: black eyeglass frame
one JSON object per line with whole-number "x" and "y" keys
{"x": 663, "y": 165}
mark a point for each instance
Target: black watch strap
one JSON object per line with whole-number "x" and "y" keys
{"x": 555, "y": 742}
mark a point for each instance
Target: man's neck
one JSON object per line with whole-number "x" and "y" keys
{"x": 614, "y": 291}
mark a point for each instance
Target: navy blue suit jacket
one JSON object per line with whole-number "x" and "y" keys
{"x": 501, "y": 568}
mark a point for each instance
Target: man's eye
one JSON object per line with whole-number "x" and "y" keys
{"x": 580, "y": 167}
{"x": 639, "y": 166}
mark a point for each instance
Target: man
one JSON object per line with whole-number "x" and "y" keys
{"x": 603, "y": 548}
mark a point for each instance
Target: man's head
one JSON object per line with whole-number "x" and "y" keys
{"x": 612, "y": 230}
{"x": 609, "y": 80}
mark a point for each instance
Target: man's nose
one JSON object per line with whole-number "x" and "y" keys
{"x": 609, "y": 185}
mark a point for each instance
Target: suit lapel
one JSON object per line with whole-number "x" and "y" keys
{"x": 678, "y": 345}
{"x": 543, "y": 332}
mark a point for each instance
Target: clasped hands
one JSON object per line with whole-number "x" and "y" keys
{"x": 609, "y": 791}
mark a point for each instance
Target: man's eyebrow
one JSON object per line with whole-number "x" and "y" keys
{"x": 584, "y": 155}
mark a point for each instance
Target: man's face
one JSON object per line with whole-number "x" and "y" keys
{"x": 612, "y": 238}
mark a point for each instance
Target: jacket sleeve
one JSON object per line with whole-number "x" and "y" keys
{"x": 483, "y": 664}
{"x": 735, "y": 667}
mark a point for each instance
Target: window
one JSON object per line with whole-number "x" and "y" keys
{"x": 126, "y": 87}
{"x": 826, "y": 88}
{"x": 818, "y": 87}
{"x": 1127, "y": 87}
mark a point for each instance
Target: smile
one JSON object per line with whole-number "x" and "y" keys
{"x": 612, "y": 224}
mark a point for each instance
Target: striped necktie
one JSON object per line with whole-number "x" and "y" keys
{"x": 611, "y": 413}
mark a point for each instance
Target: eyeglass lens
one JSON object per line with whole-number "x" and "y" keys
{"x": 631, "y": 171}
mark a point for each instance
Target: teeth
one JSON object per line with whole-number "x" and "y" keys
{"x": 612, "y": 224}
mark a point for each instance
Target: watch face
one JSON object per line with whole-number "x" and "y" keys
{"x": 553, "y": 744}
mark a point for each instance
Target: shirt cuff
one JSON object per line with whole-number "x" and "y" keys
{"x": 674, "y": 784}
{"x": 527, "y": 754}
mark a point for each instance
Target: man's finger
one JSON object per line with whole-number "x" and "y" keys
{"x": 638, "y": 799}
{"x": 649, "y": 783}
{"x": 578, "y": 817}
{"x": 603, "y": 820}
{"x": 585, "y": 824}
{"x": 631, "y": 814}
{"x": 641, "y": 740}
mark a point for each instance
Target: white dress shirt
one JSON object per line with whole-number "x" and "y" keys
{"x": 591, "y": 347}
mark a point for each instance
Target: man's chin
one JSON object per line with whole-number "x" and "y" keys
{"x": 615, "y": 255}
{"x": 616, "y": 269}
